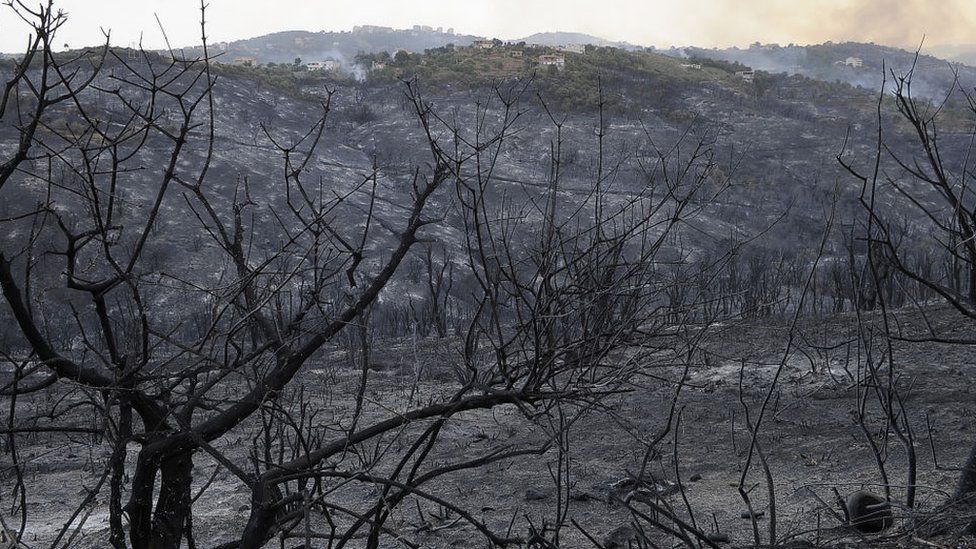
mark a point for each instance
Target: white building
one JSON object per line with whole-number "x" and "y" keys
{"x": 748, "y": 76}
{"x": 557, "y": 61}
{"x": 855, "y": 62}
{"x": 327, "y": 65}
{"x": 484, "y": 44}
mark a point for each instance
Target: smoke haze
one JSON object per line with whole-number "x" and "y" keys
{"x": 707, "y": 23}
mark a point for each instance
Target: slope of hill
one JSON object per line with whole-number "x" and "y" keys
{"x": 783, "y": 132}
{"x": 284, "y": 47}
{"x": 853, "y": 63}
{"x": 955, "y": 53}
{"x": 857, "y": 64}
{"x": 777, "y": 137}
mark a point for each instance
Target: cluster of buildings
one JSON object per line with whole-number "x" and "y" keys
{"x": 557, "y": 60}
{"x": 329, "y": 65}
{"x": 416, "y": 29}
{"x": 371, "y": 28}
{"x": 428, "y": 28}
{"x": 553, "y": 59}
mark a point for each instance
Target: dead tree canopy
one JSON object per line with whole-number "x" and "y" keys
{"x": 172, "y": 309}
{"x": 917, "y": 194}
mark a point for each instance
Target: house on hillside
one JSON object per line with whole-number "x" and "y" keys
{"x": 378, "y": 66}
{"x": 552, "y": 60}
{"x": 854, "y": 62}
{"x": 573, "y": 48}
{"x": 517, "y": 54}
{"x": 245, "y": 61}
{"x": 484, "y": 44}
{"x": 692, "y": 66}
{"x": 329, "y": 65}
{"x": 748, "y": 75}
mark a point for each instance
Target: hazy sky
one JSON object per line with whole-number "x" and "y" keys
{"x": 646, "y": 22}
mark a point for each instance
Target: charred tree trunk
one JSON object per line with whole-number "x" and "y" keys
{"x": 173, "y": 504}
{"x": 117, "y": 536}
{"x": 139, "y": 507}
{"x": 265, "y": 498}
{"x": 966, "y": 489}
{"x": 162, "y": 527}
{"x": 967, "y": 478}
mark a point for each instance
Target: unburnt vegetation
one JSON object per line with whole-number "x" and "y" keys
{"x": 221, "y": 331}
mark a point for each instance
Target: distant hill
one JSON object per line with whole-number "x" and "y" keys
{"x": 956, "y": 53}
{"x": 857, "y": 64}
{"x": 567, "y": 38}
{"x": 853, "y": 63}
{"x": 284, "y": 47}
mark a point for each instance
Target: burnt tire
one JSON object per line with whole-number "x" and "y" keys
{"x": 869, "y": 513}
